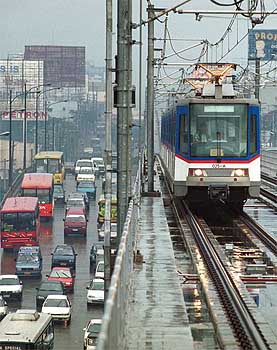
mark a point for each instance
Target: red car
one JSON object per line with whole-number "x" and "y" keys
{"x": 75, "y": 221}
{"x": 64, "y": 275}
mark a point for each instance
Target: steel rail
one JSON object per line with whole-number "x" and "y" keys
{"x": 268, "y": 195}
{"x": 268, "y": 240}
{"x": 269, "y": 179}
{"x": 244, "y": 326}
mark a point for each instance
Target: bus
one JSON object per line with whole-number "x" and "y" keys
{"x": 51, "y": 162}
{"x": 26, "y": 330}
{"x": 101, "y": 210}
{"x": 19, "y": 222}
{"x": 40, "y": 185}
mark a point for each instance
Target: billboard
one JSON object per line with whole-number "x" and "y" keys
{"x": 14, "y": 73}
{"x": 63, "y": 65}
{"x": 262, "y": 44}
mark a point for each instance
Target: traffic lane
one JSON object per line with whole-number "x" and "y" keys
{"x": 51, "y": 234}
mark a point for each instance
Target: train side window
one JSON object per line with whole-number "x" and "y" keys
{"x": 253, "y": 134}
{"x": 183, "y": 134}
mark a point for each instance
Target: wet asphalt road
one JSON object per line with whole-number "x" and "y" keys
{"x": 70, "y": 337}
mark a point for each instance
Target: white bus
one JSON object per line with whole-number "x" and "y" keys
{"x": 27, "y": 330}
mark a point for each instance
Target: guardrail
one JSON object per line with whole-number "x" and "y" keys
{"x": 113, "y": 323}
{"x": 15, "y": 186}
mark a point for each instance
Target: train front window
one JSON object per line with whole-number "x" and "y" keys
{"x": 218, "y": 130}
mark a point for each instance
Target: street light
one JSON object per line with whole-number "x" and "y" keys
{"x": 26, "y": 92}
{"x": 53, "y": 127}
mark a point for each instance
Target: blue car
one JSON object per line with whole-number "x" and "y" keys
{"x": 87, "y": 187}
{"x": 29, "y": 262}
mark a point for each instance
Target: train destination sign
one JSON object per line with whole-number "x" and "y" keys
{"x": 262, "y": 44}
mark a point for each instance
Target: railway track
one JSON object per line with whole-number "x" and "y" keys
{"x": 269, "y": 191}
{"x": 245, "y": 328}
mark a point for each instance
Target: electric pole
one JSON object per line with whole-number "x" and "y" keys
{"x": 150, "y": 100}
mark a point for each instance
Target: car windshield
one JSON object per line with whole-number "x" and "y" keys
{"x": 83, "y": 164}
{"x": 76, "y": 202}
{"x": 100, "y": 267}
{"x": 84, "y": 184}
{"x": 56, "y": 303}
{"x": 94, "y": 328}
{"x": 58, "y": 189}
{"x": 86, "y": 171}
{"x": 8, "y": 281}
{"x": 61, "y": 273}
{"x": 27, "y": 258}
{"x": 63, "y": 251}
{"x": 76, "y": 218}
{"x": 97, "y": 285}
{"x": 51, "y": 286}
{"x": 99, "y": 162}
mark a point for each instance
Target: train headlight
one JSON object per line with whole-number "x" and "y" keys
{"x": 239, "y": 172}
{"x": 198, "y": 172}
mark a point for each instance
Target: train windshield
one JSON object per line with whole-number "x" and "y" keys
{"x": 218, "y": 130}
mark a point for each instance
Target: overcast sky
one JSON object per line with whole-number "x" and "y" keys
{"x": 82, "y": 22}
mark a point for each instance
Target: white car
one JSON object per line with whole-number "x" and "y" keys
{"x": 85, "y": 174}
{"x": 10, "y": 287}
{"x": 98, "y": 165}
{"x": 99, "y": 272}
{"x": 58, "y": 306}
{"x": 91, "y": 334}
{"x": 95, "y": 294}
{"x": 82, "y": 163}
{"x": 101, "y": 233}
{"x": 3, "y": 308}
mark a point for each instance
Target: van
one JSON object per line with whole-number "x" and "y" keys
{"x": 29, "y": 261}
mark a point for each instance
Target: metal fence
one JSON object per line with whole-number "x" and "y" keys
{"x": 113, "y": 326}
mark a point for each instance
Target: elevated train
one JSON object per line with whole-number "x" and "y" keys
{"x": 210, "y": 146}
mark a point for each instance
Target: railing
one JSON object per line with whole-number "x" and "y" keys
{"x": 113, "y": 326}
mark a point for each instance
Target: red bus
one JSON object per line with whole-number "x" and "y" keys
{"x": 20, "y": 222}
{"x": 40, "y": 185}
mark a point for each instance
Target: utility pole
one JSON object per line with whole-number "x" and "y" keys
{"x": 140, "y": 93}
{"x": 10, "y": 144}
{"x": 108, "y": 149}
{"x": 150, "y": 100}
{"x": 122, "y": 114}
{"x": 25, "y": 126}
{"x": 130, "y": 117}
{"x": 257, "y": 78}
{"x": 36, "y": 139}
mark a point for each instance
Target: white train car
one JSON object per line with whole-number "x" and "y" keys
{"x": 210, "y": 148}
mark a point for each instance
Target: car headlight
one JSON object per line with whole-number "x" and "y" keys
{"x": 40, "y": 297}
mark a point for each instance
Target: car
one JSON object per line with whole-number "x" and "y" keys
{"x": 99, "y": 272}
{"x": 92, "y": 331}
{"x": 98, "y": 165}
{"x": 87, "y": 187}
{"x": 76, "y": 203}
{"x": 3, "y": 308}
{"x": 58, "y": 306}
{"x": 75, "y": 221}
{"x": 48, "y": 288}
{"x": 80, "y": 195}
{"x": 95, "y": 294}
{"x": 101, "y": 233}
{"x": 85, "y": 174}
{"x": 29, "y": 262}
{"x": 82, "y": 163}
{"x": 69, "y": 167}
{"x": 59, "y": 194}
{"x": 11, "y": 287}
{"x": 64, "y": 255}
{"x": 64, "y": 275}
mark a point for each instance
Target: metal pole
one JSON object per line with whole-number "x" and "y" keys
{"x": 45, "y": 124}
{"x": 122, "y": 115}
{"x": 257, "y": 78}
{"x": 53, "y": 133}
{"x": 24, "y": 126}
{"x": 140, "y": 91}
{"x": 130, "y": 117}
{"x": 150, "y": 101}
{"x": 4, "y": 176}
{"x": 10, "y": 143}
{"x": 108, "y": 149}
{"x": 36, "y": 143}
